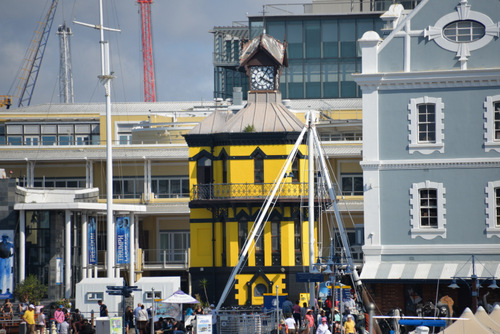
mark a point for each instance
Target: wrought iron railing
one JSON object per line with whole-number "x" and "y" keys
{"x": 246, "y": 190}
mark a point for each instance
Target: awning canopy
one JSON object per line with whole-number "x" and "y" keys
{"x": 427, "y": 270}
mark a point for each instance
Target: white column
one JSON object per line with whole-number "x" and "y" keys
{"x": 85, "y": 244}
{"x": 67, "y": 254}
{"x": 89, "y": 173}
{"x": 22, "y": 245}
{"x": 131, "y": 271}
{"x": 369, "y": 51}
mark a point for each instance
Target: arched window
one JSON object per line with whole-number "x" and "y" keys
{"x": 259, "y": 290}
{"x": 258, "y": 167}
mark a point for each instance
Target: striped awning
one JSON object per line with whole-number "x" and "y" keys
{"x": 427, "y": 270}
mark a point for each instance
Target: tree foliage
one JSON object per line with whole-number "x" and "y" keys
{"x": 30, "y": 289}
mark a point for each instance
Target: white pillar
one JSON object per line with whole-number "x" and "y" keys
{"x": 131, "y": 271}
{"x": 22, "y": 245}
{"x": 67, "y": 254}
{"x": 85, "y": 244}
{"x": 369, "y": 51}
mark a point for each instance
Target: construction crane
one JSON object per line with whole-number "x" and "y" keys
{"x": 147, "y": 51}
{"x": 33, "y": 60}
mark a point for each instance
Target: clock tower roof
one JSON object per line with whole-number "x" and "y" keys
{"x": 264, "y": 113}
{"x": 264, "y": 49}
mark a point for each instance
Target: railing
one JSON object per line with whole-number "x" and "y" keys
{"x": 164, "y": 258}
{"x": 243, "y": 321}
{"x": 246, "y": 190}
{"x": 222, "y": 191}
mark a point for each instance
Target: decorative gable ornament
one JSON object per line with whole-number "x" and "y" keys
{"x": 463, "y": 31}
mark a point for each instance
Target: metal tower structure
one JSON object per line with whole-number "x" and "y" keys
{"x": 34, "y": 58}
{"x": 65, "y": 72}
{"x": 147, "y": 51}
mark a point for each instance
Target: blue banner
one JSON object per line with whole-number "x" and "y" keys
{"x": 92, "y": 240}
{"x": 122, "y": 240}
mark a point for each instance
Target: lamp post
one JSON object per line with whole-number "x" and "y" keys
{"x": 475, "y": 283}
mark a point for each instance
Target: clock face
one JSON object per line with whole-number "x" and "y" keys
{"x": 262, "y": 77}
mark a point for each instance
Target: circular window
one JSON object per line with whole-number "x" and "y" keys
{"x": 464, "y": 31}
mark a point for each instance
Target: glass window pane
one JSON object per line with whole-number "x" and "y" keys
{"x": 82, "y": 128}
{"x": 14, "y": 129}
{"x": 65, "y": 128}
{"x": 65, "y": 140}
{"x": 49, "y": 128}
{"x": 17, "y": 141}
{"x": 276, "y": 29}
{"x": 295, "y": 40}
{"x": 313, "y": 41}
{"x": 31, "y": 129}
{"x": 48, "y": 140}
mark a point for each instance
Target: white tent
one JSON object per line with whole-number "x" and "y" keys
{"x": 180, "y": 297}
{"x": 483, "y": 317}
{"x": 468, "y": 325}
{"x": 495, "y": 314}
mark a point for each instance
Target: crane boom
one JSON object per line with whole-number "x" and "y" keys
{"x": 147, "y": 51}
{"x": 33, "y": 62}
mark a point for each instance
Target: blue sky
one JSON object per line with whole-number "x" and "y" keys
{"x": 182, "y": 46}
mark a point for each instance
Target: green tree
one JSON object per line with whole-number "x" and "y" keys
{"x": 30, "y": 289}
{"x": 204, "y": 284}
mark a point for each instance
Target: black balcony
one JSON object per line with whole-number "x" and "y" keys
{"x": 230, "y": 191}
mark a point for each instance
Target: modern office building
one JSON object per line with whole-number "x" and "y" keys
{"x": 322, "y": 49}
{"x": 431, "y": 155}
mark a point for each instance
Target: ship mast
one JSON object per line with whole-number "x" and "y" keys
{"x": 105, "y": 78}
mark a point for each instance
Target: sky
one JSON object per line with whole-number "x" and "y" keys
{"x": 182, "y": 46}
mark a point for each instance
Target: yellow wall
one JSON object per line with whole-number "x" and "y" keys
{"x": 242, "y": 289}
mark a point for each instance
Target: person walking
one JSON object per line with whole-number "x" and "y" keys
{"x": 103, "y": 309}
{"x": 29, "y": 317}
{"x": 296, "y": 313}
{"x": 350, "y": 325}
{"x": 40, "y": 322}
{"x": 142, "y": 320}
{"x": 323, "y": 327}
{"x": 291, "y": 324}
{"x": 129, "y": 319}
{"x": 136, "y": 314}
{"x": 64, "y": 329}
{"x": 309, "y": 319}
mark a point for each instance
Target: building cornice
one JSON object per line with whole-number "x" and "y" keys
{"x": 430, "y": 79}
{"x": 431, "y": 164}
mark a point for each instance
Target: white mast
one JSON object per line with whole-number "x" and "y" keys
{"x": 312, "y": 240}
{"x": 105, "y": 78}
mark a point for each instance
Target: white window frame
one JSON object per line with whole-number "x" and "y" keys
{"x": 492, "y": 229}
{"x": 489, "y": 124}
{"x": 415, "y": 145}
{"x": 417, "y": 230}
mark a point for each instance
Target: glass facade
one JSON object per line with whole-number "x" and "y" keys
{"x": 322, "y": 55}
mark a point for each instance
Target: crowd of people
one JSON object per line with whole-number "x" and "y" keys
{"x": 323, "y": 318}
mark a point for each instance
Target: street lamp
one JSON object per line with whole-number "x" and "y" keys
{"x": 475, "y": 283}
